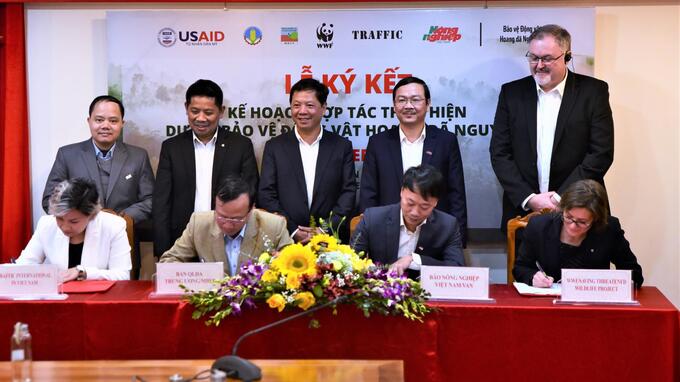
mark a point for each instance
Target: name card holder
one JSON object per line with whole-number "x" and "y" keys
{"x": 463, "y": 284}
{"x": 195, "y": 276}
{"x": 597, "y": 287}
{"x": 30, "y": 282}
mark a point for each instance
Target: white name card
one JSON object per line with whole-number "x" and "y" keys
{"x": 597, "y": 286}
{"x": 194, "y": 276}
{"x": 37, "y": 280}
{"x": 455, "y": 283}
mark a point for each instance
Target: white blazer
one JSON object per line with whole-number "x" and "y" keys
{"x": 106, "y": 251}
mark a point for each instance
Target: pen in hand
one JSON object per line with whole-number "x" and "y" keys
{"x": 540, "y": 268}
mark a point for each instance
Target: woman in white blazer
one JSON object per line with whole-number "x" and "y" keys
{"x": 82, "y": 241}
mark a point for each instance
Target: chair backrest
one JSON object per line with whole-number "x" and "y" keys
{"x": 514, "y": 224}
{"x": 130, "y": 230}
{"x": 353, "y": 224}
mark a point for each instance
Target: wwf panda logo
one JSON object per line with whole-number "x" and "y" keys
{"x": 325, "y": 32}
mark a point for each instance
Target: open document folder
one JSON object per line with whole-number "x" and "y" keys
{"x": 526, "y": 290}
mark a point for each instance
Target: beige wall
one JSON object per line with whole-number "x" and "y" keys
{"x": 637, "y": 52}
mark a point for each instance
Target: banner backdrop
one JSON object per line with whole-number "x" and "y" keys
{"x": 464, "y": 55}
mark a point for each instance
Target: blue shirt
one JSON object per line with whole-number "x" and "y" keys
{"x": 100, "y": 155}
{"x": 232, "y": 249}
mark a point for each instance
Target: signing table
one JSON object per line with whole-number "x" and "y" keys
{"x": 512, "y": 339}
{"x": 159, "y": 371}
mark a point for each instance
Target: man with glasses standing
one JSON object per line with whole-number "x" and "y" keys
{"x": 551, "y": 128}
{"x": 390, "y": 153}
{"x": 233, "y": 233}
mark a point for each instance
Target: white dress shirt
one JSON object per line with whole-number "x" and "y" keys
{"x": 547, "y": 110}
{"x": 411, "y": 152}
{"x": 309, "y": 154}
{"x": 408, "y": 241}
{"x": 204, "y": 153}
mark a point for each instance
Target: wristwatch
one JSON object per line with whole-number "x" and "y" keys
{"x": 82, "y": 275}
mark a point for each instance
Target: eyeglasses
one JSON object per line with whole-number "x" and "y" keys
{"x": 578, "y": 223}
{"x": 547, "y": 60}
{"x": 224, "y": 219}
{"x": 415, "y": 101}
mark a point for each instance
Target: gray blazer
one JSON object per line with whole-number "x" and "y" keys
{"x": 131, "y": 183}
{"x": 439, "y": 242}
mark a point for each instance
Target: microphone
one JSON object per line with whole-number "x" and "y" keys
{"x": 244, "y": 370}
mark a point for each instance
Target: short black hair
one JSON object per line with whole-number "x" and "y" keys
{"x": 320, "y": 90}
{"x": 78, "y": 194}
{"x": 205, "y": 88}
{"x": 106, "y": 98}
{"x": 424, "y": 180}
{"x": 411, "y": 80}
{"x": 233, "y": 186}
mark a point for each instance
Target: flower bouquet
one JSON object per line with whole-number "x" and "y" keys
{"x": 303, "y": 276}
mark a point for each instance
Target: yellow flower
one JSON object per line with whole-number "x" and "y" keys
{"x": 270, "y": 276}
{"x": 292, "y": 281}
{"x": 344, "y": 248}
{"x": 359, "y": 264}
{"x": 277, "y": 301}
{"x": 337, "y": 265}
{"x": 323, "y": 242}
{"x": 296, "y": 258}
{"x": 305, "y": 300}
{"x": 264, "y": 258}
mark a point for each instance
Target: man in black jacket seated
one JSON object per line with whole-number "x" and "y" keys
{"x": 412, "y": 232}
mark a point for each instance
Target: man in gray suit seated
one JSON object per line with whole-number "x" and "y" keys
{"x": 411, "y": 233}
{"x": 121, "y": 172}
{"x": 233, "y": 233}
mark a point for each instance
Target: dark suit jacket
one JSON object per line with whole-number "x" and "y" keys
{"x": 542, "y": 243}
{"x": 131, "y": 181}
{"x": 175, "y": 190}
{"x": 583, "y": 146}
{"x": 382, "y": 173}
{"x": 283, "y": 189}
{"x": 439, "y": 242}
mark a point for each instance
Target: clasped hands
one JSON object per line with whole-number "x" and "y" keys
{"x": 542, "y": 201}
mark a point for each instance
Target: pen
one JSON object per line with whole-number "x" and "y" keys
{"x": 540, "y": 268}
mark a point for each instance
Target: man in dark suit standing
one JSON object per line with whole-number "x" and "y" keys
{"x": 308, "y": 171}
{"x": 192, "y": 165}
{"x": 551, "y": 128}
{"x": 412, "y": 233}
{"x": 390, "y": 153}
{"x": 121, "y": 172}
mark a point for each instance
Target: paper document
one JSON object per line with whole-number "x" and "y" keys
{"x": 526, "y": 290}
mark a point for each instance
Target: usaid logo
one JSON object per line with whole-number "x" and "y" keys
{"x": 324, "y": 33}
{"x": 167, "y": 37}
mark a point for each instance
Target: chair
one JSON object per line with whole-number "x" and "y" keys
{"x": 353, "y": 224}
{"x": 519, "y": 222}
{"x": 130, "y": 230}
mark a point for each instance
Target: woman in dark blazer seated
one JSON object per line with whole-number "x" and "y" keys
{"x": 580, "y": 235}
